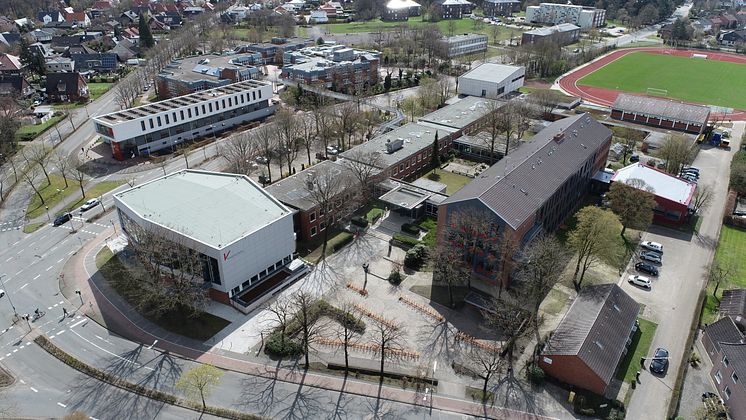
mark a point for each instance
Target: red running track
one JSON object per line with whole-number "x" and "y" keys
{"x": 606, "y": 97}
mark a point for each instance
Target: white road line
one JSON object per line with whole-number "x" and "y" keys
{"x": 60, "y": 332}
{"x": 49, "y": 268}
{"x": 21, "y": 288}
{"x": 78, "y": 323}
{"x": 60, "y": 260}
{"x": 7, "y": 355}
{"x": 62, "y": 405}
{"x": 110, "y": 353}
{"x": 49, "y": 308}
{"x": 52, "y": 336}
{"x": 71, "y": 252}
{"x": 19, "y": 272}
{"x": 9, "y": 259}
{"x": 61, "y": 302}
{"x": 15, "y": 350}
{"x": 22, "y": 381}
{"x": 37, "y": 276}
{"x": 33, "y": 389}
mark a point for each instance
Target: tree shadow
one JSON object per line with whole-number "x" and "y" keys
{"x": 94, "y": 397}
{"x": 514, "y": 394}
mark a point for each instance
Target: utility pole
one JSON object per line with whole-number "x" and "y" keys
{"x": 8, "y": 294}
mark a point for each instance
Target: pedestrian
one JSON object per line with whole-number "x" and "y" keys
{"x": 637, "y": 376}
{"x": 642, "y": 362}
{"x": 64, "y": 312}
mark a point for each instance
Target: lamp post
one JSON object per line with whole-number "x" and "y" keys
{"x": 49, "y": 219}
{"x": 366, "y": 267}
{"x": 80, "y": 295}
{"x": 8, "y": 294}
{"x": 114, "y": 226}
{"x": 101, "y": 201}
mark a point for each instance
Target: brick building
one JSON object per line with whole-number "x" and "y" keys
{"x": 494, "y": 8}
{"x": 193, "y": 74}
{"x": 726, "y": 346}
{"x": 335, "y": 67}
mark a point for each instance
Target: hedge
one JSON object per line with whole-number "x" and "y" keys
{"x": 319, "y": 308}
{"x": 154, "y": 394}
{"x": 346, "y": 239}
{"x": 410, "y": 228}
{"x": 405, "y": 239}
{"x": 359, "y": 221}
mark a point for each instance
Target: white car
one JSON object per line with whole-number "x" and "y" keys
{"x": 2, "y": 293}
{"x": 641, "y": 281}
{"x": 653, "y": 246}
{"x": 90, "y": 204}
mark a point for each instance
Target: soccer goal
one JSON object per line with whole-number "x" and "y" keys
{"x": 656, "y": 92}
{"x": 700, "y": 56}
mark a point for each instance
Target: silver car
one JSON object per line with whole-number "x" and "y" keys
{"x": 651, "y": 256}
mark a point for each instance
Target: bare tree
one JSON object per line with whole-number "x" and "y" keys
{"x": 703, "y": 196}
{"x": 677, "y": 151}
{"x": 592, "y": 239}
{"x": 493, "y": 125}
{"x": 450, "y": 268}
{"x": 37, "y": 155}
{"x": 629, "y": 138}
{"x": 633, "y": 202}
{"x": 507, "y": 318}
{"x": 240, "y": 150}
{"x": 364, "y": 166}
{"x": 389, "y": 339}
{"x": 540, "y": 267}
{"x": 333, "y": 197}
{"x": 286, "y": 130}
{"x": 547, "y": 100}
{"x": 488, "y": 362}
{"x": 266, "y": 142}
{"x": 348, "y": 121}
{"x": 720, "y": 274}
{"x": 347, "y": 333}
{"x": 80, "y": 176}
{"x": 307, "y": 134}
{"x": 310, "y": 326}
{"x": 282, "y": 312}
{"x": 63, "y": 164}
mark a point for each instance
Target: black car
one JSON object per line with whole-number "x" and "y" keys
{"x": 634, "y": 158}
{"x": 62, "y": 219}
{"x": 646, "y": 268}
{"x": 660, "y": 361}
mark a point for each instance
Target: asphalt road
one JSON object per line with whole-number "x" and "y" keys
{"x": 672, "y": 302}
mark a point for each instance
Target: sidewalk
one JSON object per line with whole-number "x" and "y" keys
{"x": 106, "y": 308}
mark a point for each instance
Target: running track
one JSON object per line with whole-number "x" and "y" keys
{"x": 605, "y": 97}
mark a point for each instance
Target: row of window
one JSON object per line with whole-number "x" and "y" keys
{"x": 261, "y": 275}
{"x": 206, "y": 108}
{"x": 404, "y": 166}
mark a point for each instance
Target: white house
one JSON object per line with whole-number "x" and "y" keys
{"x": 491, "y": 80}
{"x": 242, "y": 235}
{"x": 318, "y": 16}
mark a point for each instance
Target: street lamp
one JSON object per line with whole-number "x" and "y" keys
{"x": 49, "y": 219}
{"x": 8, "y": 294}
{"x": 80, "y": 295}
{"x": 114, "y": 226}
{"x": 101, "y": 201}
{"x": 366, "y": 267}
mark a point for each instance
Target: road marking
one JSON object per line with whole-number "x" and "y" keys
{"x": 78, "y": 323}
{"x": 22, "y": 349}
{"x": 52, "y": 336}
{"x": 7, "y": 355}
{"x": 49, "y": 308}
{"x": 15, "y": 350}
{"x": 33, "y": 389}
{"x": 60, "y": 332}
{"x": 9, "y": 259}
{"x": 37, "y": 276}
{"x": 61, "y": 302}
{"x": 19, "y": 272}
{"x": 21, "y": 288}
{"x": 110, "y": 353}
{"x": 71, "y": 252}
{"x": 62, "y": 405}
{"x": 49, "y": 268}
{"x": 22, "y": 381}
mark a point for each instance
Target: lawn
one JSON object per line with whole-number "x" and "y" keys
{"x": 200, "y": 327}
{"x": 696, "y": 80}
{"x": 640, "y": 347}
{"x": 461, "y": 26}
{"x": 96, "y": 191}
{"x": 31, "y": 131}
{"x": 730, "y": 252}
{"x": 53, "y": 194}
{"x": 95, "y": 90}
{"x": 33, "y": 227}
{"x": 430, "y": 224}
{"x": 454, "y": 182}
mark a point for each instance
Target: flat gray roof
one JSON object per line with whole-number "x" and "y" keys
{"x": 460, "y": 114}
{"x": 562, "y": 27}
{"x": 415, "y": 136}
{"x": 213, "y": 208}
{"x": 491, "y": 72}
{"x": 191, "y": 69}
{"x": 664, "y": 108}
{"x": 293, "y": 190}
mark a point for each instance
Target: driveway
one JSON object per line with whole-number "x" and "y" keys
{"x": 672, "y": 303}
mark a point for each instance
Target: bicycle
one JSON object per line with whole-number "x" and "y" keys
{"x": 38, "y": 315}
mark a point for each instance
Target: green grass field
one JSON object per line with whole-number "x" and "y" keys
{"x": 730, "y": 252}
{"x": 695, "y": 80}
{"x": 31, "y": 131}
{"x": 98, "y": 89}
{"x": 640, "y": 347}
{"x": 461, "y": 26}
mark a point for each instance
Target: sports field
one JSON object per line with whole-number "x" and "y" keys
{"x": 694, "y": 80}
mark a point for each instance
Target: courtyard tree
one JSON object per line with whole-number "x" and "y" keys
{"x": 389, "y": 336}
{"x": 281, "y": 311}
{"x": 266, "y": 142}
{"x": 719, "y": 274}
{"x": 539, "y": 268}
{"x": 488, "y": 362}
{"x": 450, "y": 268}
{"x": 310, "y": 328}
{"x": 348, "y": 121}
{"x": 286, "y": 131}
{"x": 10, "y": 122}
{"x": 63, "y": 163}
{"x": 509, "y": 319}
{"x": 546, "y": 100}
{"x": 146, "y": 37}
{"x": 738, "y": 171}
{"x": 199, "y": 381}
{"x": 332, "y": 193}
{"x": 633, "y": 202}
{"x": 628, "y": 137}
{"x": 676, "y": 150}
{"x": 30, "y": 175}
{"x": 493, "y": 125}
{"x": 364, "y": 166}
{"x": 307, "y": 134}
{"x": 240, "y": 150}
{"x": 346, "y": 332}
{"x": 592, "y": 239}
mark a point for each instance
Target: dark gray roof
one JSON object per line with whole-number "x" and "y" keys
{"x": 733, "y": 302}
{"x": 596, "y": 329}
{"x": 292, "y": 191}
{"x": 664, "y": 108}
{"x": 722, "y": 331}
{"x": 736, "y": 354}
{"x": 519, "y": 184}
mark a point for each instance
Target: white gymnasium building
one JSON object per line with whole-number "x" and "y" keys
{"x": 165, "y": 124}
{"x": 243, "y": 235}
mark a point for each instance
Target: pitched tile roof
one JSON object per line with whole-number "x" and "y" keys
{"x": 665, "y": 108}
{"x": 733, "y": 302}
{"x": 724, "y": 330}
{"x": 596, "y": 328}
{"x": 9, "y": 62}
{"x": 736, "y": 354}
{"x": 519, "y": 184}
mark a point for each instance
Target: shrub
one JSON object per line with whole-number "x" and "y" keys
{"x": 276, "y": 346}
{"x": 374, "y": 214}
{"x": 410, "y": 228}
{"x": 343, "y": 239}
{"x": 536, "y": 374}
{"x": 415, "y": 257}
{"x": 395, "y": 277}
{"x": 433, "y": 176}
{"x": 587, "y": 411}
{"x": 359, "y": 221}
{"x": 406, "y": 240}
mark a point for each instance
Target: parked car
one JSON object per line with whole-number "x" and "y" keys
{"x": 693, "y": 169}
{"x": 646, "y": 268}
{"x": 2, "y": 293}
{"x": 261, "y": 159}
{"x": 634, "y": 158}
{"x": 660, "y": 361}
{"x": 93, "y": 202}
{"x": 651, "y": 256}
{"x": 652, "y": 246}
{"x": 690, "y": 171}
{"x": 332, "y": 150}
{"x": 62, "y": 219}
{"x": 641, "y": 281}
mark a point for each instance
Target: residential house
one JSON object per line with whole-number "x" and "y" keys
{"x": 726, "y": 346}
{"x": 397, "y": 10}
{"x": 333, "y": 9}
{"x": 59, "y": 64}
{"x": 452, "y": 9}
{"x": 50, "y": 17}
{"x": 532, "y": 190}
{"x": 318, "y": 16}
{"x": 125, "y": 50}
{"x": 14, "y": 85}
{"x": 732, "y": 38}
{"x": 172, "y": 19}
{"x": 101, "y": 62}
{"x": 42, "y": 35}
{"x": 495, "y": 8}
{"x": 733, "y": 305}
{"x": 128, "y": 17}
{"x": 66, "y": 87}
{"x": 100, "y": 8}
{"x": 592, "y": 338}
{"x": 10, "y": 39}
{"x": 10, "y": 64}
{"x": 78, "y": 19}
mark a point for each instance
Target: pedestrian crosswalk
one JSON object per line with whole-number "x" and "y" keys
{"x": 8, "y": 226}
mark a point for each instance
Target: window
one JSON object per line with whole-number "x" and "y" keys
{"x": 727, "y": 393}
{"x": 142, "y": 124}
{"x": 401, "y": 167}
{"x": 254, "y": 279}
{"x": 159, "y": 120}
{"x": 407, "y": 164}
{"x": 223, "y": 103}
{"x": 725, "y": 361}
{"x": 196, "y": 111}
{"x": 209, "y": 106}
{"x": 718, "y": 377}
{"x": 174, "y": 116}
{"x": 260, "y": 94}
{"x": 189, "y": 112}
{"x": 203, "y": 109}
{"x": 253, "y": 95}
{"x": 321, "y": 212}
{"x": 322, "y": 226}
{"x": 230, "y": 101}
{"x": 313, "y": 231}
{"x": 734, "y": 377}
{"x": 151, "y": 122}
{"x": 245, "y": 284}
{"x": 166, "y": 119}
{"x": 312, "y": 216}
{"x": 181, "y": 113}
{"x": 278, "y": 264}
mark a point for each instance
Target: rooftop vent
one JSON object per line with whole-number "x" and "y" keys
{"x": 559, "y": 137}
{"x": 393, "y": 146}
